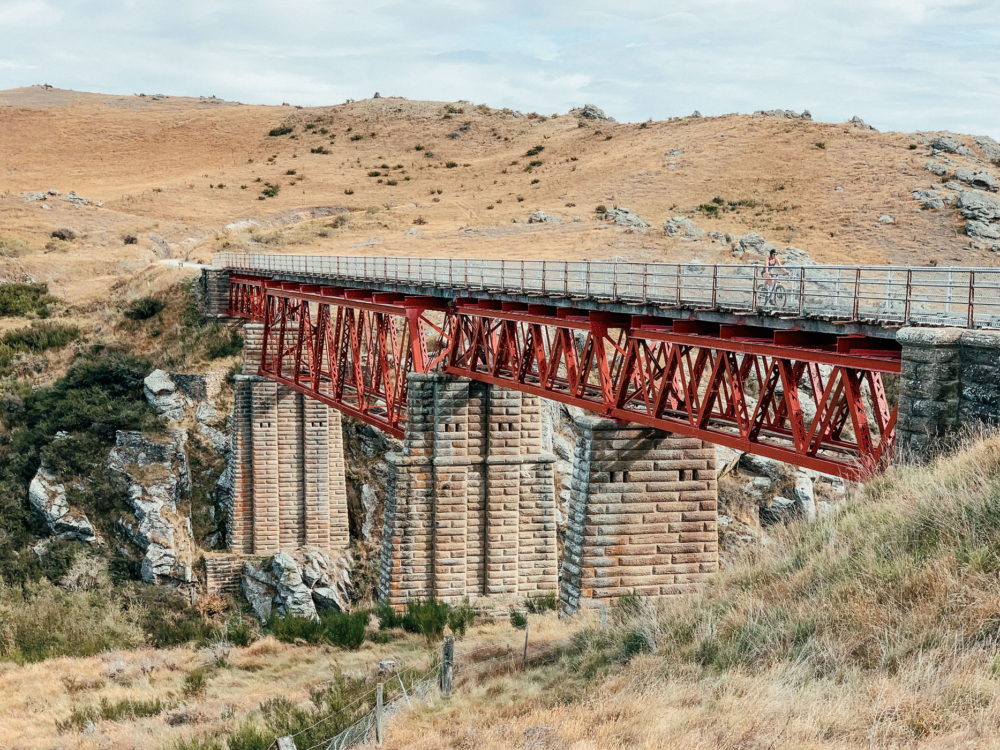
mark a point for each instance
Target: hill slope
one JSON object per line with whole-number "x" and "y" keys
{"x": 158, "y": 165}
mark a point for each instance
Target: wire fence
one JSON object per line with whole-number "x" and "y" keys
{"x": 883, "y": 295}
{"x": 370, "y": 728}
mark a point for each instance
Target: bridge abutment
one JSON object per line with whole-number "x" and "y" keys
{"x": 470, "y": 508}
{"x": 643, "y": 514}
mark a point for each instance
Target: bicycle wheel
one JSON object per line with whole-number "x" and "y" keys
{"x": 778, "y": 295}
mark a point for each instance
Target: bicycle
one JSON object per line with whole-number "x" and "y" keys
{"x": 773, "y": 295}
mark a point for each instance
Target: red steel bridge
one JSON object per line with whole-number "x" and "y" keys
{"x": 812, "y": 398}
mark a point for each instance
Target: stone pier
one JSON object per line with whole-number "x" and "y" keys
{"x": 950, "y": 377}
{"x": 643, "y": 514}
{"x": 470, "y": 508}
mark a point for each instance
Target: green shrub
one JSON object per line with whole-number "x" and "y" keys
{"x": 195, "y": 682}
{"x": 283, "y": 130}
{"x": 451, "y": 165}
{"x": 535, "y": 151}
{"x": 271, "y": 190}
{"x": 334, "y": 628}
{"x": 122, "y": 710}
{"x": 374, "y": 173}
{"x": 357, "y": 137}
{"x": 538, "y": 605}
{"x": 144, "y": 308}
{"x": 21, "y": 299}
{"x": 318, "y": 150}
{"x": 35, "y": 339}
{"x": 226, "y": 346}
{"x": 461, "y": 617}
{"x": 11, "y": 247}
{"x": 198, "y": 743}
{"x": 518, "y": 619}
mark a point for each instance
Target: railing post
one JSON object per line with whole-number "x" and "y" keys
{"x": 906, "y": 301}
{"x": 753, "y": 289}
{"x": 677, "y": 277}
{"x": 378, "y": 713}
{"x": 447, "y": 664}
{"x": 972, "y": 300}
{"x": 715, "y": 285}
{"x": 802, "y": 289}
{"x": 645, "y": 292}
{"x": 857, "y": 292}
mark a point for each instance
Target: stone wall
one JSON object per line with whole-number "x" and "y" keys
{"x": 643, "y": 514}
{"x": 950, "y": 377}
{"x": 470, "y": 508}
{"x": 215, "y": 291}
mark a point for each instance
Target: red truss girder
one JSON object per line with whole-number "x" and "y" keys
{"x": 809, "y": 399}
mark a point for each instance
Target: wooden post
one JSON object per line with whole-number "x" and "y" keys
{"x": 604, "y": 618}
{"x": 524, "y": 659}
{"x": 378, "y": 714}
{"x": 447, "y": 664}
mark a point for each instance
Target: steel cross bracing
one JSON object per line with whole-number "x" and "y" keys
{"x": 809, "y": 399}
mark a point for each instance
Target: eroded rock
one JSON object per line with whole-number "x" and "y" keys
{"x": 680, "y": 226}
{"x": 47, "y": 498}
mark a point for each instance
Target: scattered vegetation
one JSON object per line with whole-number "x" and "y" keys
{"x": 35, "y": 339}
{"x": 144, "y": 308}
{"x": 820, "y": 144}
{"x": 283, "y": 130}
{"x": 534, "y": 151}
{"x": 333, "y": 628}
{"x": 451, "y": 164}
{"x": 11, "y": 247}
{"x": 125, "y": 709}
{"x": 428, "y": 618}
{"x": 24, "y": 299}
{"x": 271, "y": 190}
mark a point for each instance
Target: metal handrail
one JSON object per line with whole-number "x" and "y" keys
{"x": 882, "y": 295}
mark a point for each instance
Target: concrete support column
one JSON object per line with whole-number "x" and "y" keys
{"x": 929, "y": 387}
{"x": 643, "y": 514}
{"x": 265, "y": 467}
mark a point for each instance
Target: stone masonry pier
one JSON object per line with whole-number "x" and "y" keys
{"x": 470, "y": 509}
{"x": 643, "y": 514}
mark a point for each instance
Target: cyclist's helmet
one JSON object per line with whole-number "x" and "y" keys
{"x": 772, "y": 253}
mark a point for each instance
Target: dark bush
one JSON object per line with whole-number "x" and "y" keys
{"x": 335, "y": 628}
{"x": 283, "y": 130}
{"x": 130, "y": 239}
{"x": 144, "y": 308}
{"x": 271, "y": 190}
{"x": 518, "y": 619}
{"x": 20, "y": 299}
{"x": 226, "y": 346}
{"x": 538, "y": 605}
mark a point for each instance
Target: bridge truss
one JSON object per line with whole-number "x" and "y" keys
{"x": 809, "y": 399}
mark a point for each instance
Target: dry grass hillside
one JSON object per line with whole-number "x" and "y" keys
{"x": 354, "y": 178}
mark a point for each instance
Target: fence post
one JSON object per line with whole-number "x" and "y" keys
{"x": 285, "y": 743}
{"x": 378, "y": 713}
{"x": 447, "y": 664}
{"x": 524, "y": 659}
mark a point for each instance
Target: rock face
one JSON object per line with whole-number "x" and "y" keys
{"x": 857, "y": 122}
{"x": 48, "y": 499}
{"x": 679, "y": 226}
{"x": 939, "y": 169}
{"x": 158, "y": 479}
{"x": 285, "y": 586}
{"x": 540, "y": 217}
{"x": 982, "y": 230}
{"x": 624, "y": 218}
{"x": 754, "y": 244}
{"x": 978, "y": 178}
{"x": 928, "y": 198}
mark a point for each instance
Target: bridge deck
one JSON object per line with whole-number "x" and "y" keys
{"x": 877, "y": 296}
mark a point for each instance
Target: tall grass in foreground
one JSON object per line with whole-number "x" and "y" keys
{"x": 891, "y": 605}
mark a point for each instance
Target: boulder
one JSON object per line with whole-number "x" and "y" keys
{"x": 624, "y": 218}
{"x": 29, "y": 197}
{"x": 761, "y": 465}
{"x": 47, "y": 498}
{"x": 259, "y": 587}
{"x": 162, "y": 394}
{"x": 369, "y": 504}
{"x": 979, "y": 206}
{"x": 886, "y": 219}
{"x": 792, "y": 256}
{"x": 978, "y": 178}
{"x": 294, "y": 596}
{"x": 754, "y": 244}
{"x": 726, "y": 459}
{"x": 803, "y": 494}
{"x": 939, "y": 169}
{"x": 784, "y": 114}
{"x": 951, "y": 145}
{"x": 327, "y": 597}
{"x": 989, "y": 147}
{"x": 781, "y": 510}
{"x": 679, "y": 226}
{"x": 540, "y": 217}
{"x": 591, "y": 112}
{"x": 160, "y": 245}
{"x": 857, "y": 122}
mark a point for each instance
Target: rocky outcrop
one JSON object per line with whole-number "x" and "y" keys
{"x": 625, "y": 218}
{"x": 158, "y": 479}
{"x": 783, "y": 114}
{"x": 47, "y": 497}
{"x": 978, "y": 178}
{"x": 162, "y": 394}
{"x": 284, "y": 585}
{"x": 857, "y": 122}
{"x": 951, "y": 145}
{"x": 989, "y": 147}
{"x": 591, "y": 112}
{"x": 540, "y": 217}
{"x": 979, "y": 206}
{"x": 679, "y": 226}
{"x": 754, "y": 244}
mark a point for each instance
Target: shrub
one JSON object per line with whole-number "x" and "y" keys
{"x": 335, "y": 628}
{"x": 391, "y": 183}
{"x": 374, "y": 173}
{"x": 198, "y": 743}
{"x": 357, "y": 137}
{"x": 131, "y": 239}
{"x": 35, "y": 339}
{"x": 820, "y": 145}
{"x": 195, "y": 682}
{"x": 125, "y": 709}
{"x": 348, "y": 191}
{"x": 518, "y": 619}
{"x": 144, "y": 308}
{"x": 310, "y": 125}
{"x": 13, "y": 248}
{"x": 537, "y": 605}
{"x": 271, "y": 190}
{"x": 451, "y": 165}
{"x": 226, "y": 346}
{"x": 20, "y": 299}
{"x": 318, "y": 150}
{"x": 289, "y": 171}
{"x": 418, "y": 147}
{"x": 420, "y": 221}
{"x": 534, "y": 151}
{"x": 283, "y": 130}
{"x": 535, "y": 181}
{"x": 913, "y": 147}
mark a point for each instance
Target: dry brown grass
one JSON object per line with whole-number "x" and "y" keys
{"x": 876, "y": 627}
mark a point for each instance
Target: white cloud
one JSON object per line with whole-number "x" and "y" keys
{"x": 900, "y": 64}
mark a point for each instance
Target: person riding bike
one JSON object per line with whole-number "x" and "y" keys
{"x": 772, "y": 268}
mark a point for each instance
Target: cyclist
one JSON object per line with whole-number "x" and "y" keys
{"x": 771, "y": 269}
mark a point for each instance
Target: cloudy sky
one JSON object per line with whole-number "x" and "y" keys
{"x": 899, "y": 64}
